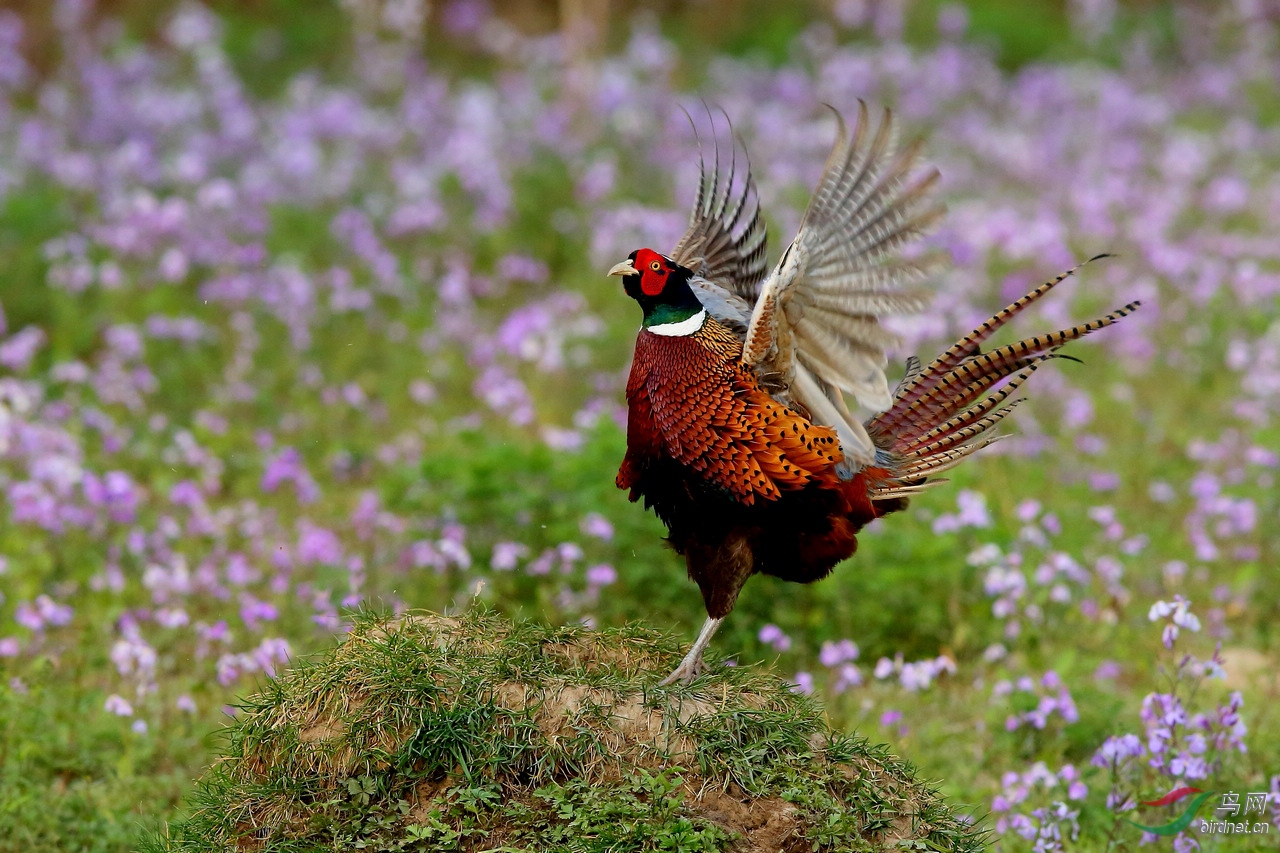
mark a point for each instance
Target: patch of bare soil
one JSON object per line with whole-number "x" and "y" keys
{"x": 765, "y": 825}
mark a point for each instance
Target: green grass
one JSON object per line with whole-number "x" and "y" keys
{"x": 474, "y": 733}
{"x": 73, "y": 778}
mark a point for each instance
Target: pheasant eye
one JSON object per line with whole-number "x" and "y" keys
{"x": 655, "y": 266}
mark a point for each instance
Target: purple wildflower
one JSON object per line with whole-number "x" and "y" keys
{"x": 772, "y": 635}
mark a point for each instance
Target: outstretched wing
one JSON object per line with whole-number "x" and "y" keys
{"x": 815, "y": 332}
{"x": 724, "y": 244}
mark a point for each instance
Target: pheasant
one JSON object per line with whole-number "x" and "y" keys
{"x": 739, "y": 434}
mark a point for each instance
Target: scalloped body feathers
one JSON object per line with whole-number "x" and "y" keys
{"x": 743, "y": 483}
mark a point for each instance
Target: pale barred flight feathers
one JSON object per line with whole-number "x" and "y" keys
{"x": 724, "y": 244}
{"x": 814, "y": 333}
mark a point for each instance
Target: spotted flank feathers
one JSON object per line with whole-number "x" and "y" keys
{"x": 729, "y": 432}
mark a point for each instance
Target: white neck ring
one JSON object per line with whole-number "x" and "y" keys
{"x": 684, "y": 327}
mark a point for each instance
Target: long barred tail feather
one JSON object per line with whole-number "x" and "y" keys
{"x": 890, "y": 492}
{"x": 914, "y": 369}
{"x": 941, "y": 413}
{"x": 971, "y": 416}
{"x": 918, "y": 382}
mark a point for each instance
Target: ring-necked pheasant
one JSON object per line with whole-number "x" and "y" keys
{"x": 739, "y": 435}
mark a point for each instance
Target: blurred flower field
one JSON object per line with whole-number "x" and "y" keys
{"x": 297, "y": 323}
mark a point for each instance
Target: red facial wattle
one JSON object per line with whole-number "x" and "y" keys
{"x": 653, "y": 271}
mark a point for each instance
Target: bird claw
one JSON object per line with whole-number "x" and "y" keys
{"x": 685, "y": 673}
{"x": 692, "y": 666}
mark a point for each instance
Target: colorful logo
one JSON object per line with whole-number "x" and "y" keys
{"x": 1181, "y": 822}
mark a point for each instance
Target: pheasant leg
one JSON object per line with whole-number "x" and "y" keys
{"x": 692, "y": 666}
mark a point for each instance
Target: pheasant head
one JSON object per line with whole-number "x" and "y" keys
{"x": 661, "y": 286}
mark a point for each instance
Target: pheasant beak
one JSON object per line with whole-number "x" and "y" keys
{"x": 624, "y": 268}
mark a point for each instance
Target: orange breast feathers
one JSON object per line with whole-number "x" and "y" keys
{"x": 691, "y": 400}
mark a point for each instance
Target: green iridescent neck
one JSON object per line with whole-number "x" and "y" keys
{"x": 667, "y": 314}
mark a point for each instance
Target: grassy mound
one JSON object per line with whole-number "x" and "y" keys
{"x": 471, "y": 733}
